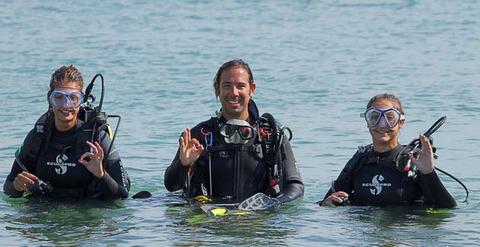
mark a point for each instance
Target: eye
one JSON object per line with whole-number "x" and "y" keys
{"x": 242, "y": 85}
{"x": 226, "y": 84}
{"x": 58, "y": 96}
{"x": 74, "y": 98}
{"x": 374, "y": 115}
{"x": 391, "y": 117}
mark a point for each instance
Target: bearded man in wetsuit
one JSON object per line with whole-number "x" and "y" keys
{"x": 228, "y": 157}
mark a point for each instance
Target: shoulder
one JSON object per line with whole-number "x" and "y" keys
{"x": 356, "y": 161}
{"x": 364, "y": 149}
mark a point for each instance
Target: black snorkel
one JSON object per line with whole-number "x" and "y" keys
{"x": 403, "y": 162}
{"x": 99, "y": 118}
{"x": 95, "y": 114}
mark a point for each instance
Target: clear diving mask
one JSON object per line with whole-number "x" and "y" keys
{"x": 377, "y": 117}
{"x": 61, "y": 99}
{"x": 236, "y": 131}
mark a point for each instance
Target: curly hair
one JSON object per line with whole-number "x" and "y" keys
{"x": 66, "y": 74}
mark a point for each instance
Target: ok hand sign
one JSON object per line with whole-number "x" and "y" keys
{"x": 190, "y": 148}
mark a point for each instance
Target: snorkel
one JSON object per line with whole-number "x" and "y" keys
{"x": 404, "y": 163}
{"x": 90, "y": 113}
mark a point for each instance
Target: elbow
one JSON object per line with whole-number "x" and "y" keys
{"x": 293, "y": 191}
{"x": 171, "y": 181}
{"x": 171, "y": 186}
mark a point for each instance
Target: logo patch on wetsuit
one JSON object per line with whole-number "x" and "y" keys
{"x": 377, "y": 184}
{"x": 60, "y": 164}
{"x": 223, "y": 154}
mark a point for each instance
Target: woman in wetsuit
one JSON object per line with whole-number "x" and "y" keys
{"x": 60, "y": 151}
{"x": 371, "y": 176}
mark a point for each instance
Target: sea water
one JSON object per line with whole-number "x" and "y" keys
{"x": 316, "y": 64}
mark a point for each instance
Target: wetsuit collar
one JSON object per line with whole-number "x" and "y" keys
{"x": 388, "y": 153}
{"x": 376, "y": 157}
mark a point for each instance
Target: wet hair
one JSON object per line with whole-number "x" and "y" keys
{"x": 386, "y": 96}
{"x": 232, "y": 63}
{"x": 66, "y": 74}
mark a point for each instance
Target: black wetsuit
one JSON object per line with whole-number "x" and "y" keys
{"x": 58, "y": 165}
{"x": 371, "y": 178}
{"x": 238, "y": 171}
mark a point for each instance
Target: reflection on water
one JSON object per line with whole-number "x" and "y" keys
{"x": 258, "y": 228}
{"x": 57, "y": 222}
{"x": 316, "y": 64}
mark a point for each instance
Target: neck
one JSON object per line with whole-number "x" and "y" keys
{"x": 242, "y": 116}
{"x": 382, "y": 147}
{"x": 65, "y": 126}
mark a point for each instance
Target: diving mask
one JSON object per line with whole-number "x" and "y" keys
{"x": 65, "y": 99}
{"x": 237, "y": 131}
{"x": 377, "y": 117}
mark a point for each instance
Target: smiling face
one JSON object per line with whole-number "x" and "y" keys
{"x": 383, "y": 137}
{"x": 66, "y": 117}
{"x": 235, "y": 91}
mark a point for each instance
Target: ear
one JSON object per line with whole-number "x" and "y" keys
{"x": 216, "y": 87}
{"x": 253, "y": 86}
{"x": 401, "y": 123}
{"x": 48, "y": 96}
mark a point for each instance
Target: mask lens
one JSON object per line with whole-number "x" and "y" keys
{"x": 246, "y": 132}
{"x": 392, "y": 117}
{"x": 372, "y": 116}
{"x": 227, "y": 130}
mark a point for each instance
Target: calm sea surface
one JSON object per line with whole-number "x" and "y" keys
{"x": 316, "y": 64}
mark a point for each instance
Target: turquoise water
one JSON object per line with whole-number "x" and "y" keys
{"x": 316, "y": 64}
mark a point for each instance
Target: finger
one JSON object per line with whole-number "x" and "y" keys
{"x": 84, "y": 156}
{"x": 181, "y": 142}
{"x": 329, "y": 201}
{"x": 337, "y": 199}
{"x": 189, "y": 135}
{"x": 93, "y": 147}
{"x": 196, "y": 144}
{"x": 100, "y": 150}
{"x": 24, "y": 180}
{"x": 340, "y": 194}
{"x": 186, "y": 136}
{"x": 425, "y": 143}
{"x": 29, "y": 175}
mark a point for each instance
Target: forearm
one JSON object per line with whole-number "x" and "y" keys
{"x": 292, "y": 191}
{"x": 435, "y": 193}
{"x": 114, "y": 188}
{"x": 175, "y": 175}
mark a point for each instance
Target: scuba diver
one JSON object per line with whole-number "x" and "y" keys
{"x": 385, "y": 172}
{"x": 69, "y": 153}
{"x": 236, "y": 154}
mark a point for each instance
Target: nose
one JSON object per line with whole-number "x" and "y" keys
{"x": 235, "y": 91}
{"x": 383, "y": 122}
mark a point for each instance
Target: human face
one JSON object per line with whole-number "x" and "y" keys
{"x": 66, "y": 117}
{"x": 383, "y": 137}
{"x": 235, "y": 92}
